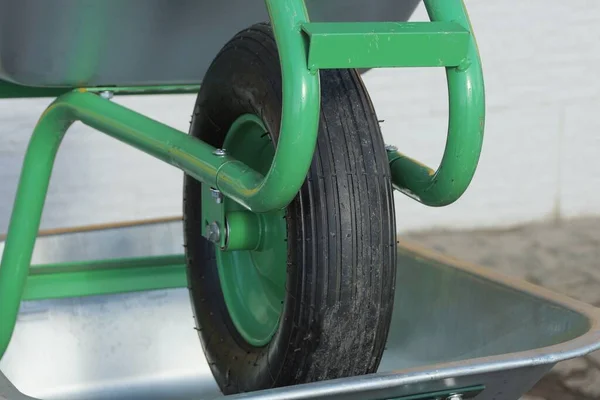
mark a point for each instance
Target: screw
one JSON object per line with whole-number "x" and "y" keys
{"x": 220, "y": 152}
{"x": 216, "y": 195}
{"x": 107, "y": 94}
{"x": 390, "y": 148}
{"x": 456, "y": 396}
{"x": 213, "y": 233}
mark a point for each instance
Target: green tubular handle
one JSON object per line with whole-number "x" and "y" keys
{"x": 465, "y": 125}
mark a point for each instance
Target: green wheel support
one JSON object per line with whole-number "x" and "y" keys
{"x": 253, "y": 280}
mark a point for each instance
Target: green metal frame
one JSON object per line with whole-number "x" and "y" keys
{"x": 87, "y": 278}
{"x": 375, "y": 45}
{"x": 304, "y": 48}
{"x": 466, "y": 99}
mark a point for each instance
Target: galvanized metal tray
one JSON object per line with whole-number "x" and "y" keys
{"x": 457, "y": 328}
{"x": 77, "y": 43}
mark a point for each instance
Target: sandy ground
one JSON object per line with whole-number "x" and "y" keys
{"x": 560, "y": 256}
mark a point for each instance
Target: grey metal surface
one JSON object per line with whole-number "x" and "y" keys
{"x": 141, "y": 42}
{"x": 454, "y": 326}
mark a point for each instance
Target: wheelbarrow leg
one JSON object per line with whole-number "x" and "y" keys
{"x": 25, "y": 221}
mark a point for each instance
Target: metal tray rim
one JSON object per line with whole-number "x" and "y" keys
{"x": 549, "y": 355}
{"x": 384, "y": 382}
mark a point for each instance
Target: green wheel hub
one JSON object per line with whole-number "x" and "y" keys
{"x": 253, "y": 279}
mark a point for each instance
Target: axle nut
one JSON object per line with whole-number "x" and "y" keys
{"x": 391, "y": 148}
{"x": 213, "y": 232}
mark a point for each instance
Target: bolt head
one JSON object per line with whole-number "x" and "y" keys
{"x": 456, "y": 396}
{"x": 216, "y": 195}
{"x": 107, "y": 94}
{"x": 220, "y": 152}
{"x": 213, "y": 233}
{"x": 391, "y": 147}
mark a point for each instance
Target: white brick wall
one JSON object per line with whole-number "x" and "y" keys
{"x": 540, "y": 157}
{"x": 96, "y": 179}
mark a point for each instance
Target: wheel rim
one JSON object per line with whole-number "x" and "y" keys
{"x": 253, "y": 281}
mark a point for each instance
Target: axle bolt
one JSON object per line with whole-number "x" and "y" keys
{"x": 220, "y": 152}
{"x": 391, "y": 148}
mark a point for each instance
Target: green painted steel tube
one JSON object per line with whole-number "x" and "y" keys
{"x": 299, "y": 119}
{"x": 465, "y": 125}
{"x": 99, "y": 277}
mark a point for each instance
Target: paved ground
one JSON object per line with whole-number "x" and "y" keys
{"x": 561, "y": 256}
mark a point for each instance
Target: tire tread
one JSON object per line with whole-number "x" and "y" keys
{"x": 341, "y": 230}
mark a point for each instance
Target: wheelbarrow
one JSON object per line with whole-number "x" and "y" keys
{"x": 288, "y": 213}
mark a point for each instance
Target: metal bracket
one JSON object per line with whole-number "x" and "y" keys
{"x": 454, "y": 394}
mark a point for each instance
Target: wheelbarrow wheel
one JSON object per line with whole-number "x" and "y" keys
{"x": 314, "y": 300}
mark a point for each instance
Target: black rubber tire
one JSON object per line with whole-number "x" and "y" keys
{"x": 341, "y": 230}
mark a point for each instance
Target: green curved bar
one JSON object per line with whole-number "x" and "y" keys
{"x": 465, "y": 125}
{"x": 299, "y": 118}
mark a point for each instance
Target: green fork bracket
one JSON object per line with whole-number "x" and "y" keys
{"x": 466, "y": 100}
{"x": 446, "y": 41}
{"x": 377, "y": 44}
